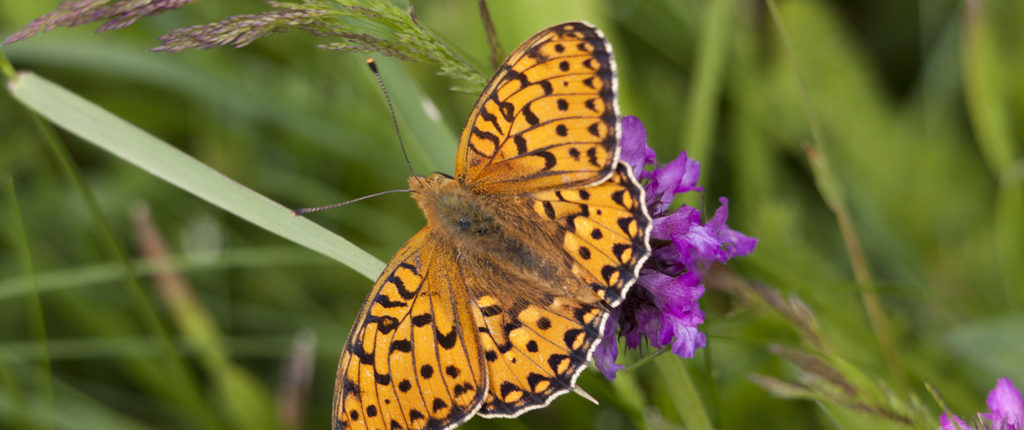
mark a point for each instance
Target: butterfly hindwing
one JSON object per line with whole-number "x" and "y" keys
{"x": 606, "y": 229}
{"x": 535, "y": 352}
{"x": 548, "y": 119}
{"x": 413, "y": 359}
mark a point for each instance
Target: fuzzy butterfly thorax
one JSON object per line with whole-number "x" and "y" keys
{"x": 498, "y": 230}
{"x": 495, "y": 307}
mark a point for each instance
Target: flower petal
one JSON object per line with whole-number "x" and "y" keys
{"x": 607, "y": 350}
{"x": 947, "y": 424}
{"x": 676, "y": 177}
{"x": 1006, "y": 406}
{"x": 635, "y": 151}
{"x": 734, "y": 243}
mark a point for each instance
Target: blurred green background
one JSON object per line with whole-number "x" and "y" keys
{"x": 916, "y": 104}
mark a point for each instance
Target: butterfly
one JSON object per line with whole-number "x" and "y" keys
{"x": 494, "y": 308}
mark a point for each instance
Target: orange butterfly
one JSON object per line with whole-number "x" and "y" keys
{"x": 494, "y": 308}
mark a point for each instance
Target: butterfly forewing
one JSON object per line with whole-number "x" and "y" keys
{"x": 548, "y": 119}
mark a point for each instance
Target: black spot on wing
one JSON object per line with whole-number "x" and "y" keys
{"x": 385, "y": 324}
{"x": 520, "y": 142}
{"x": 619, "y": 249}
{"x": 422, "y": 320}
{"x": 410, "y": 267}
{"x": 592, "y": 157}
{"x": 400, "y": 286}
{"x": 489, "y": 311}
{"x": 490, "y": 117}
{"x": 529, "y": 116}
{"x": 439, "y": 404}
{"x": 402, "y": 345}
{"x": 543, "y": 323}
{"x": 624, "y": 223}
{"x": 507, "y": 110}
{"x": 385, "y": 301}
{"x": 508, "y": 388}
{"x": 447, "y": 341}
{"x": 485, "y": 135}
{"x": 607, "y": 272}
{"x": 546, "y": 86}
{"x": 415, "y": 415}
{"x": 534, "y": 378}
{"x": 549, "y": 159}
{"x": 617, "y": 197}
{"x": 549, "y": 210}
{"x": 571, "y": 336}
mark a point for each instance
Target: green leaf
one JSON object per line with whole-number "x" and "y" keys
{"x": 101, "y": 128}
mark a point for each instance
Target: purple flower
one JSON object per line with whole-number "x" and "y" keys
{"x": 1006, "y": 410}
{"x": 947, "y": 424}
{"x": 1006, "y": 406}
{"x": 662, "y": 308}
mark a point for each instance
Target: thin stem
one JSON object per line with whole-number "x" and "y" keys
{"x": 830, "y": 190}
{"x": 683, "y": 393}
{"x": 37, "y": 320}
{"x": 6, "y": 68}
{"x": 497, "y": 54}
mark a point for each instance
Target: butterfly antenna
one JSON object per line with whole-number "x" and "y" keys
{"x": 380, "y": 82}
{"x": 304, "y": 211}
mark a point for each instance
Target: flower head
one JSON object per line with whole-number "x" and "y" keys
{"x": 662, "y": 308}
{"x": 1006, "y": 406}
{"x": 953, "y": 424}
{"x": 1006, "y": 410}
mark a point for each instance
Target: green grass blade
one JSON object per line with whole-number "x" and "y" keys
{"x": 683, "y": 392}
{"x": 986, "y": 90}
{"x": 98, "y": 274}
{"x": 702, "y": 107}
{"x": 1010, "y": 234}
{"x": 97, "y": 126}
{"x": 37, "y": 322}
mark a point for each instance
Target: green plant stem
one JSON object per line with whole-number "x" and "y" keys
{"x": 6, "y": 68}
{"x": 497, "y": 54}
{"x": 714, "y": 404}
{"x": 831, "y": 192}
{"x": 702, "y": 107}
{"x": 37, "y": 321}
{"x": 683, "y": 393}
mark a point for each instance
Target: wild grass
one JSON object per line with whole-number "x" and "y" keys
{"x": 152, "y": 277}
